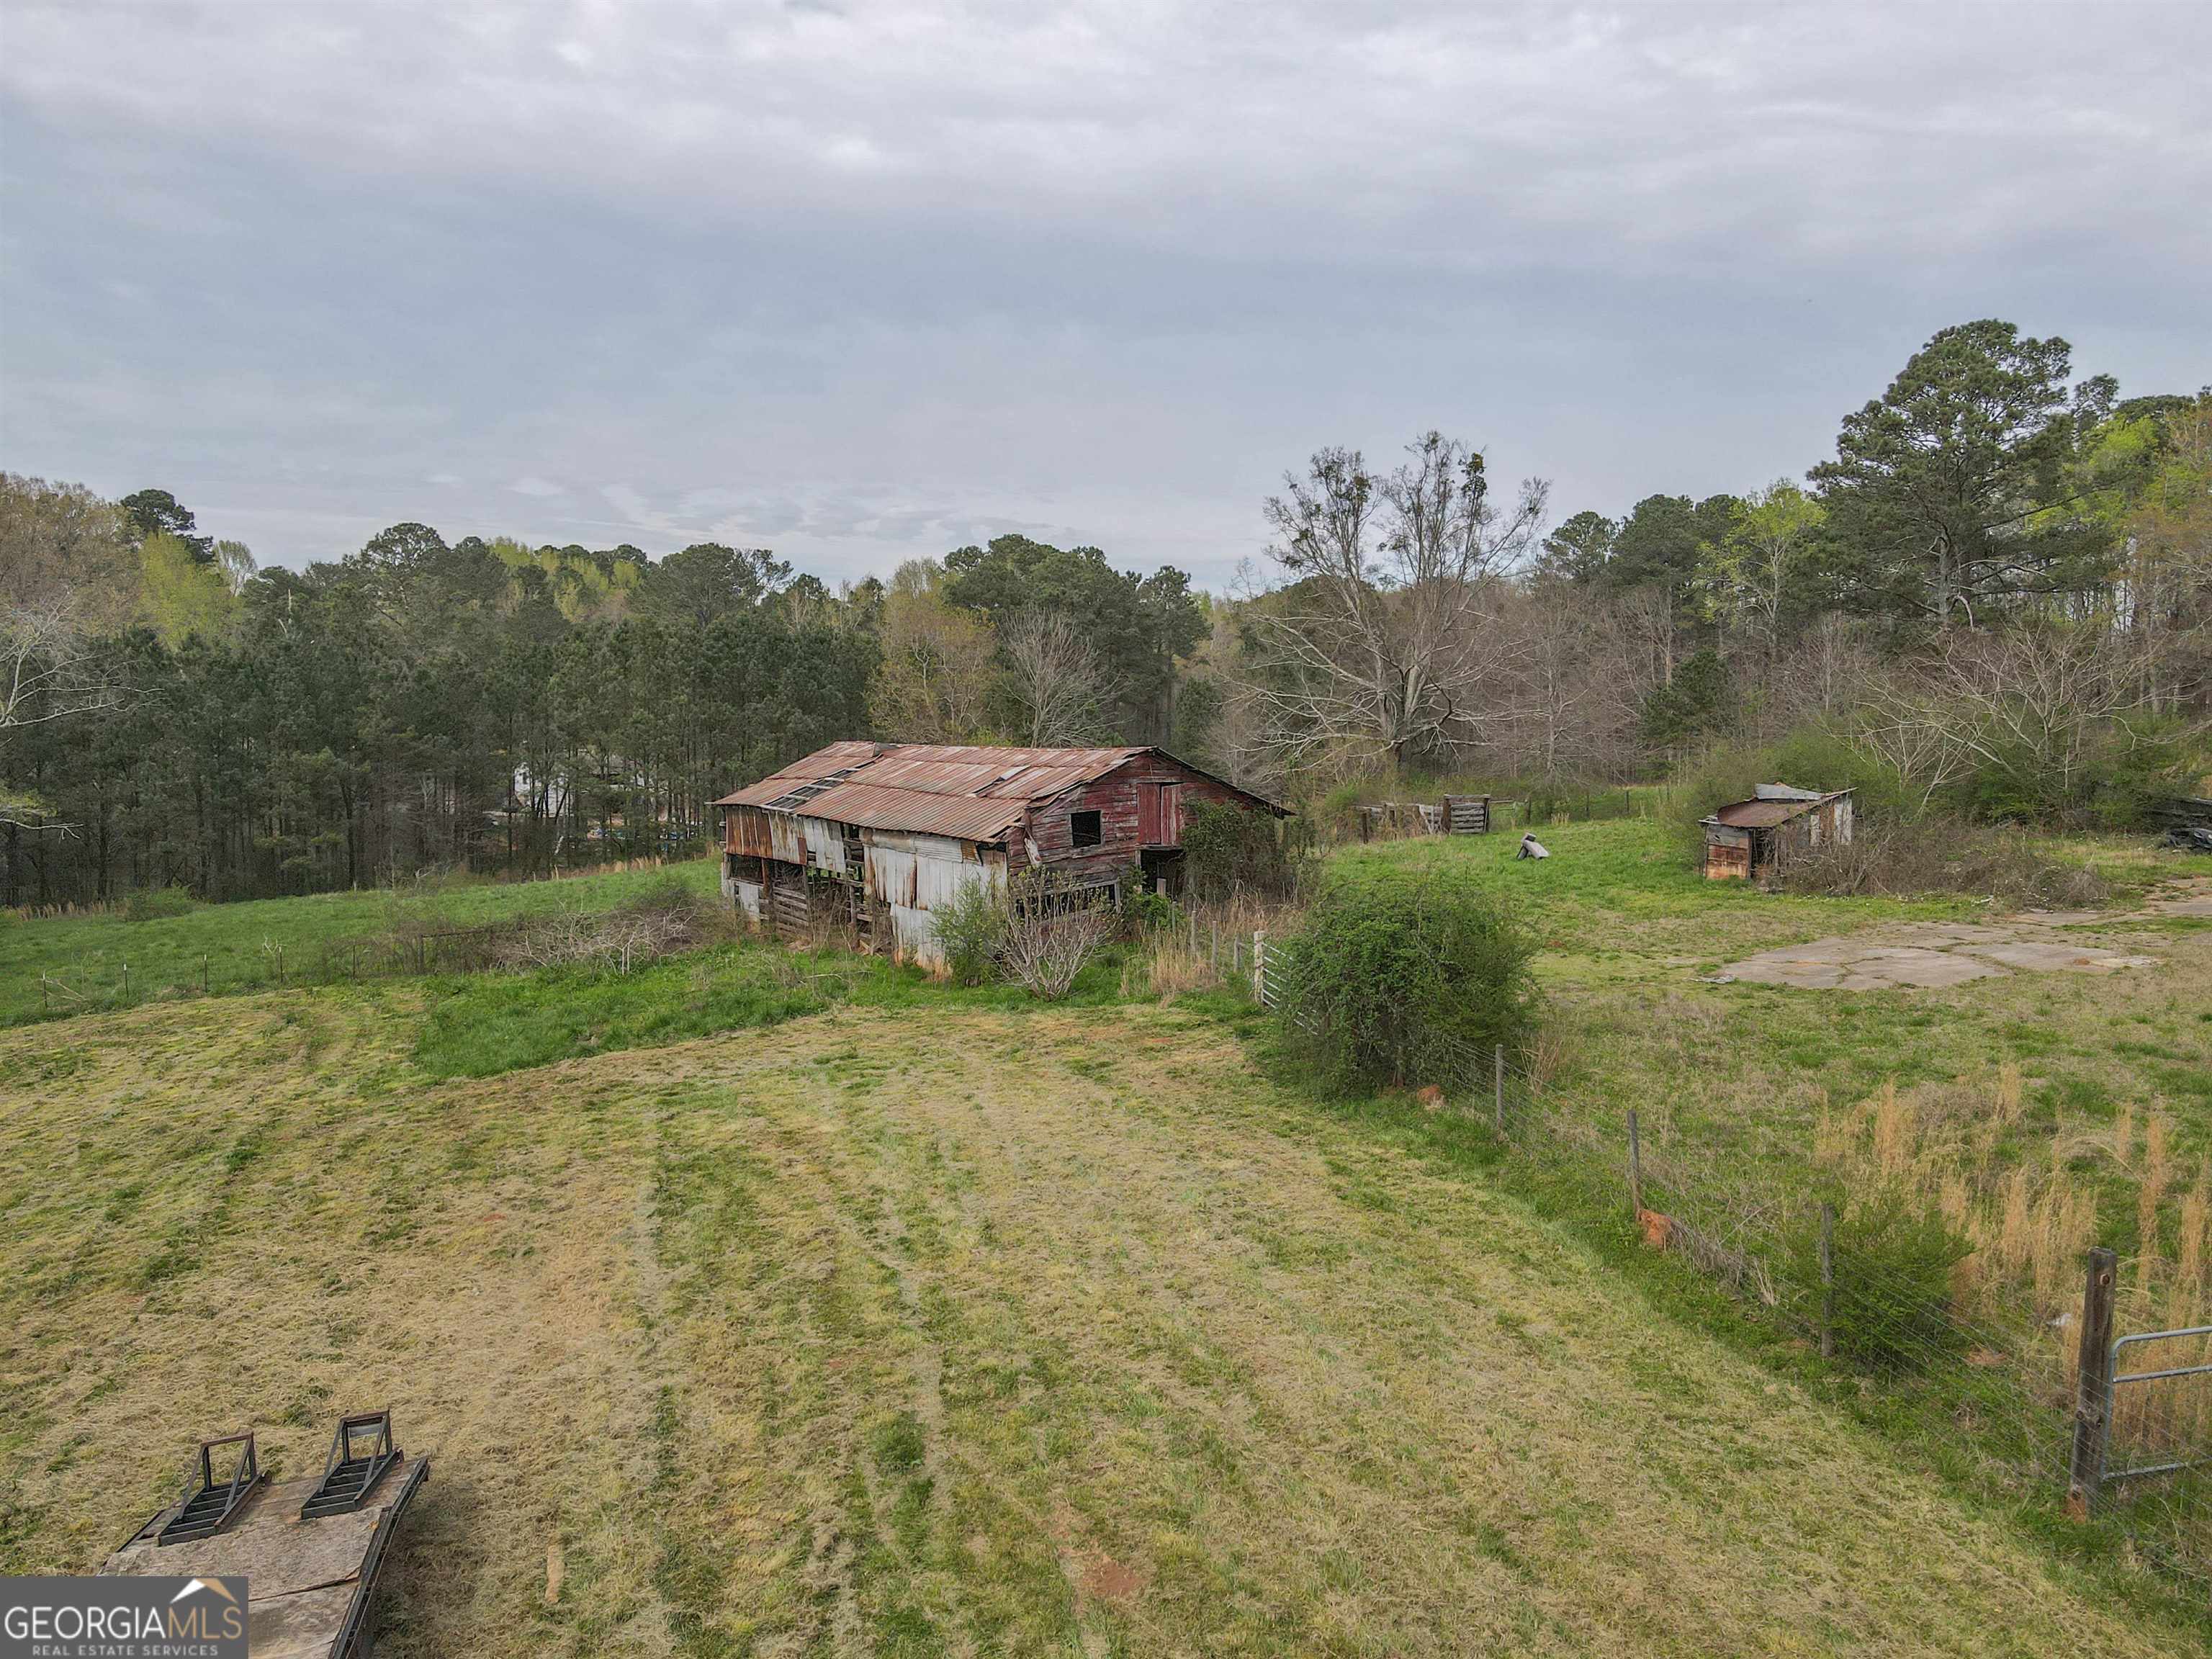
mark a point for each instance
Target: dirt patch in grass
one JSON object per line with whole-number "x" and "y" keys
{"x": 919, "y": 1332}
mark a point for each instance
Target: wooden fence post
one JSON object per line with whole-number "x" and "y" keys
{"x": 1635, "y": 1166}
{"x": 1260, "y": 965}
{"x": 205, "y": 987}
{"x": 1498, "y": 1085}
{"x": 2085, "y": 1471}
{"x": 127, "y": 985}
{"x": 1828, "y": 1281}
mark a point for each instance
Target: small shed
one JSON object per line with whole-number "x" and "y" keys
{"x": 1752, "y": 840}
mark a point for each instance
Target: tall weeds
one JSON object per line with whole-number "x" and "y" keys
{"x": 2031, "y": 1215}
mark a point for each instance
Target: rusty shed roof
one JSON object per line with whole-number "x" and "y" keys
{"x": 1765, "y": 814}
{"x": 970, "y": 791}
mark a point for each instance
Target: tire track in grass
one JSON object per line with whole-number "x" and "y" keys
{"x": 781, "y": 1316}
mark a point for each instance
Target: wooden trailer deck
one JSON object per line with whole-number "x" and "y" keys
{"x": 309, "y": 1581}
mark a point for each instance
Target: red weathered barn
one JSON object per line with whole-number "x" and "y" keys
{"x": 876, "y": 833}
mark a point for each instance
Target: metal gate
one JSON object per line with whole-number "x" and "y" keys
{"x": 2158, "y": 1419}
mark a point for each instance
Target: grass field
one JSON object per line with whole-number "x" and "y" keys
{"x": 951, "y": 1329}
{"x": 764, "y": 1302}
{"x": 1631, "y": 937}
{"x": 232, "y": 947}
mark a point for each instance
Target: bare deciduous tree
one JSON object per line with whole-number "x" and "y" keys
{"x": 1376, "y": 645}
{"x": 1062, "y": 688}
{"x": 1571, "y": 702}
{"x": 2034, "y": 703}
{"x": 1052, "y": 927}
{"x": 49, "y": 670}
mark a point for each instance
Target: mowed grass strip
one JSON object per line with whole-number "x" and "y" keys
{"x": 919, "y": 1332}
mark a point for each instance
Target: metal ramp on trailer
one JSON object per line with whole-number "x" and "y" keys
{"x": 207, "y": 1510}
{"x": 308, "y": 1549}
{"x": 353, "y": 1467}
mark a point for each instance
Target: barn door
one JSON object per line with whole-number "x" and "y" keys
{"x": 1159, "y": 814}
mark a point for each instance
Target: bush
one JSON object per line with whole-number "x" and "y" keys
{"x": 1893, "y": 1261}
{"x": 152, "y": 903}
{"x": 2152, "y": 759}
{"x": 971, "y": 930}
{"x": 1391, "y": 982}
{"x": 1055, "y": 925}
{"x": 1944, "y": 855}
{"x": 1229, "y": 849}
{"x": 1142, "y": 909}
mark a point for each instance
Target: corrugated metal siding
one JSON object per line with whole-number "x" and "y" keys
{"x": 787, "y": 838}
{"x": 745, "y": 830}
{"x": 825, "y": 841}
{"x": 920, "y": 873}
{"x": 915, "y": 936}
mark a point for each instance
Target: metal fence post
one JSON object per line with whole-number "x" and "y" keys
{"x": 1635, "y": 1166}
{"x": 1498, "y": 1085}
{"x": 1828, "y": 1281}
{"x": 2092, "y": 1424}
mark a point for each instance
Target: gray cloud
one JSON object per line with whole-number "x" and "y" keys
{"x": 865, "y": 281}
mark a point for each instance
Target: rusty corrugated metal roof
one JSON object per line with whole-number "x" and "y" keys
{"x": 962, "y": 771}
{"x": 836, "y": 757}
{"x": 967, "y": 791}
{"x": 881, "y": 806}
{"x": 1765, "y": 814}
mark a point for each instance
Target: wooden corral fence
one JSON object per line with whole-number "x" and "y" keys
{"x": 1401, "y": 817}
{"x": 1467, "y": 815}
{"x": 1456, "y": 815}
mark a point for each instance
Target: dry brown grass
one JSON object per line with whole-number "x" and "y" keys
{"x": 2032, "y": 1218}
{"x": 1208, "y": 947}
{"x": 972, "y": 1333}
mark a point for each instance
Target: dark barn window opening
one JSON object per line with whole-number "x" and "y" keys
{"x": 1085, "y": 829}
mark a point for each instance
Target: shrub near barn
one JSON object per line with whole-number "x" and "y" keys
{"x": 1400, "y": 981}
{"x": 1229, "y": 849}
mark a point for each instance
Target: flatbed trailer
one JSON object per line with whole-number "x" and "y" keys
{"x": 309, "y": 1550}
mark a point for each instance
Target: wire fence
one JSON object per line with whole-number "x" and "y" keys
{"x": 1980, "y": 1378}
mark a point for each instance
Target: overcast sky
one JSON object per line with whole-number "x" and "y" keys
{"x": 863, "y": 281}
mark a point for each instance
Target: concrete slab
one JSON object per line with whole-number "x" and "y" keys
{"x": 2058, "y": 955}
{"x": 1862, "y": 967}
{"x": 1927, "y": 955}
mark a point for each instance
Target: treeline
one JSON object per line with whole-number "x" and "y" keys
{"x": 1996, "y": 595}
{"x": 187, "y": 719}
